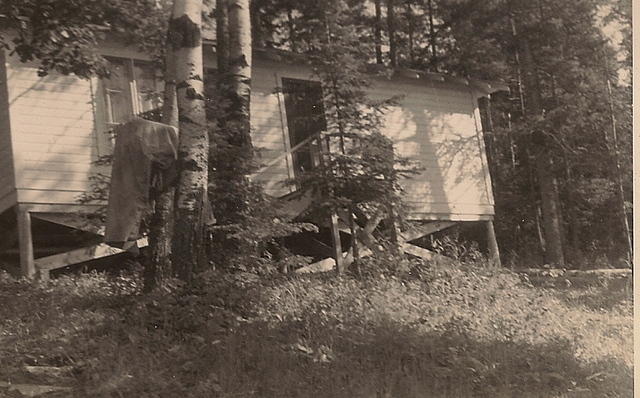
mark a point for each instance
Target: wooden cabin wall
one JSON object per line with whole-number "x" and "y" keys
{"x": 7, "y": 176}
{"x": 57, "y": 132}
{"x": 435, "y": 125}
{"x": 53, "y": 134}
{"x": 55, "y": 122}
{"x": 267, "y": 134}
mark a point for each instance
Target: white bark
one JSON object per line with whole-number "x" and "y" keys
{"x": 193, "y": 150}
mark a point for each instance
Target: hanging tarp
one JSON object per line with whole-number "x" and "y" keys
{"x": 142, "y": 147}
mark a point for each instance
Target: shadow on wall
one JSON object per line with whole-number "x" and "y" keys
{"x": 437, "y": 127}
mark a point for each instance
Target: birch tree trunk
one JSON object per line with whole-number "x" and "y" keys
{"x": 240, "y": 71}
{"x": 158, "y": 266}
{"x": 222, "y": 36}
{"x": 193, "y": 149}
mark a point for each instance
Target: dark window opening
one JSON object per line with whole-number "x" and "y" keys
{"x": 305, "y": 121}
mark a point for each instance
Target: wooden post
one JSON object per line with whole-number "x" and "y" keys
{"x": 27, "y": 265}
{"x": 492, "y": 243}
{"x": 394, "y": 229}
{"x": 337, "y": 244}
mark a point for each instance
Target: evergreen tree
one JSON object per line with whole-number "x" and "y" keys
{"x": 552, "y": 53}
{"x": 357, "y": 175}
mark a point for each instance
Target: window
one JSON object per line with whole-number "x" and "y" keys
{"x": 305, "y": 119}
{"x": 132, "y": 89}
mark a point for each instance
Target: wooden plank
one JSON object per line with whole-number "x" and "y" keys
{"x": 324, "y": 265}
{"x": 30, "y": 156}
{"x": 80, "y": 185}
{"x": 33, "y": 390}
{"x": 60, "y": 208}
{"x": 66, "y": 167}
{"x": 71, "y": 111}
{"x": 418, "y": 231}
{"x": 450, "y": 208}
{"x": 43, "y": 101}
{"x": 49, "y": 96}
{"x": 52, "y": 131}
{"x": 337, "y": 244}
{"x": 84, "y": 121}
{"x": 425, "y": 253}
{"x": 17, "y": 85}
{"x": 76, "y": 256}
{"x": 556, "y": 272}
{"x": 420, "y": 216}
{"x": 328, "y": 264}
{"x": 94, "y": 252}
{"x": 86, "y": 147}
{"x": 27, "y": 265}
{"x": 492, "y": 243}
{"x": 48, "y": 196}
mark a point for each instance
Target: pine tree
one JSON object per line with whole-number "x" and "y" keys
{"x": 557, "y": 110}
{"x": 358, "y": 175}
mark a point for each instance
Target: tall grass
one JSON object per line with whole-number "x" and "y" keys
{"x": 426, "y": 333}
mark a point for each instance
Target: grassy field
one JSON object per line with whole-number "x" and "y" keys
{"x": 426, "y": 333}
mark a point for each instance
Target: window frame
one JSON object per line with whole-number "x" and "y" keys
{"x": 133, "y": 96}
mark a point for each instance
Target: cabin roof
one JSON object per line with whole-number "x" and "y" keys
{"x": 483, "y": 86}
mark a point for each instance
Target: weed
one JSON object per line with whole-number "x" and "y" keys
{"x": 439, "y": 332}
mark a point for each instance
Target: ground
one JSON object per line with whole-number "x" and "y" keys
{"x": 455, "y": 332}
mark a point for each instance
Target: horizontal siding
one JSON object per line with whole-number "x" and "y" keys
{"x": 433, "y": 125}
{"x": 53, "y": 134}
{"x": 7, "y": 177}
{"x": 31, "y": 157}
{"x": 61, "y": 166}
{"x": 451, "y": 208}
{"x": 37, "y": 146}
{"x": 61, "y": 140}
{"x": 49, "y": 196}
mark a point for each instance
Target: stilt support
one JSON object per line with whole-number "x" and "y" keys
{"x": 492, "y": 243}
{"x": 337, "y": 244}
{"x": 25, "y": 241}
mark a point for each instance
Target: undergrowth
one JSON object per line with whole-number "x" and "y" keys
{"x": 446, "y": 332}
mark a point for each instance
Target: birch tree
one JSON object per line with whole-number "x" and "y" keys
{"x": 232, "y": 158}
{"x": 185, "y": 41}
{"x": 158, "y": 265}
{"x": 240, "y": 69}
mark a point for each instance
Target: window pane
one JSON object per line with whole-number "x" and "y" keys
{"x": 117, "y": 96}
{"x": 149, "y": 87}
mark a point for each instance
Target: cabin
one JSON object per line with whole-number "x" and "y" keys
{"x": 54, "y": 129}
